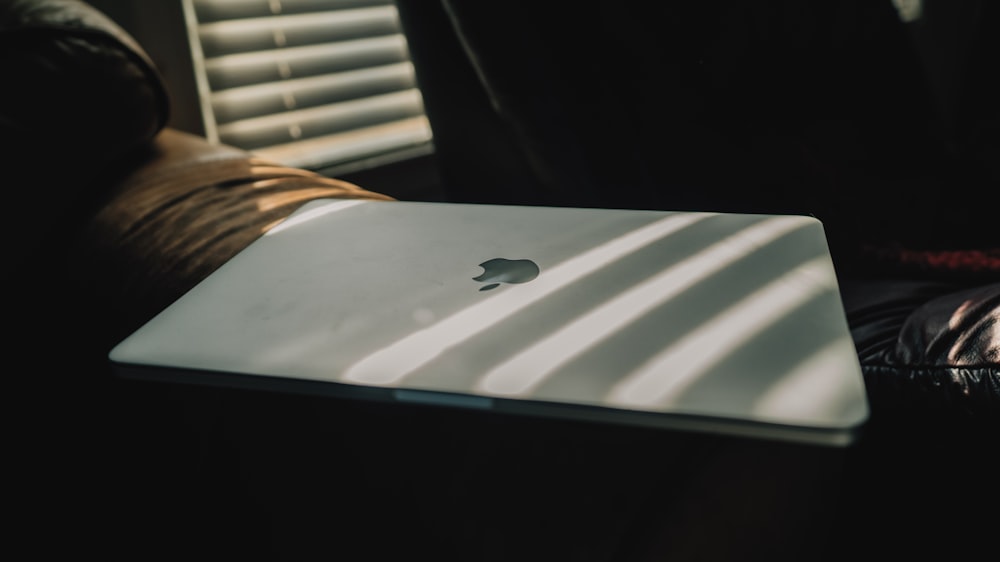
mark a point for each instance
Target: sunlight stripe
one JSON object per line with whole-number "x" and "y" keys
{"x": 311, "y": 214}
{"x": 397, "y": 360}
{"x": 524, "y": 372}
{"x": 670, "y": 372}
{"x": 816, "y": 389}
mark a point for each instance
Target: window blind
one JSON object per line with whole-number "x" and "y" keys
{"x": 309, "y": 83}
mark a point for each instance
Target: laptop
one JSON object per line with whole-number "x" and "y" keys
{"x": 688, "y": 321}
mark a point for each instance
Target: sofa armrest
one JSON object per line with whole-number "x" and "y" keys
{"x": 186, "y": 207}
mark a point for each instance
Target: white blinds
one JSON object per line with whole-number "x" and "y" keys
{"x": 310, "y": 83}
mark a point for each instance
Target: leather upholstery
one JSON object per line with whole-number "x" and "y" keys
{"x": 927, "y": 347}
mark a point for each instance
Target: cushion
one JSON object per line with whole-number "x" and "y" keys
{"x": 928, "y": 347}
{"x": 186, "y": 208}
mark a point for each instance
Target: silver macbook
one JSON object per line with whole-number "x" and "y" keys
{"x": 725, "y": 323}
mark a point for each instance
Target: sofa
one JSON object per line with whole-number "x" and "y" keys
{"x": 115, "y": 213}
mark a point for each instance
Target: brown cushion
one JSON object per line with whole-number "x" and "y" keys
{"x": 189, "y": 208}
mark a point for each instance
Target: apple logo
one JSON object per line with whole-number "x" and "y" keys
{"x": 502, "y": 270}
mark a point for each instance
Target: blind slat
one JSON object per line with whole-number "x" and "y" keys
{"x": 312, "y": 83}
{"x": 222, "y": 10}
{"x": 318, "y": 121}
{"x": 352, "y": 145}
{"x": 276, "y": 97}
{"x": 244, "y": 69}
{"x": 261, "y": 34}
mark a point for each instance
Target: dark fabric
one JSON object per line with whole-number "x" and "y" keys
{"x": 85, "y": 90}
{"x": 956, "y": 329}
{"x": 819, "y": 108}
{"x": 878, "y": 126}
{"x": 977, "y": 264}
{"x": 79, "y": 95}
{"x": 476, "y": 138}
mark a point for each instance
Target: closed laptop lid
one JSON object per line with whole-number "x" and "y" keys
{"x": 728, "y": 323}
